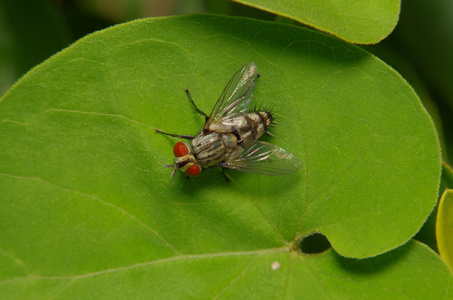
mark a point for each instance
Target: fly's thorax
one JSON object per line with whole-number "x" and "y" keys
{"x": 230, "y": 141}
{"x": 211, "y": 148}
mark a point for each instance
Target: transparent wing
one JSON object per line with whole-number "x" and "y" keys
{"x": 264, "y": 158}
{"x": 236, "y": 97}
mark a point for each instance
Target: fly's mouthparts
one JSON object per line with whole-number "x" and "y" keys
{"x": 173, "y": 172}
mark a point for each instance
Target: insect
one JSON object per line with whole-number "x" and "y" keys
{"x": 229, "y": 137}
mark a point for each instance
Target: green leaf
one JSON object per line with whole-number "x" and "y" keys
{"x": 84, "y": 192}
{"x": 361, "y": 22}
{"x": 444, "y": 227}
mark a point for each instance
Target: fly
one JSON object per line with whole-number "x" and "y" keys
{"x": 229, "y": 137}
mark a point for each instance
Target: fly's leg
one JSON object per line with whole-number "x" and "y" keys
{"x": 224, "y": 175}
{"x": 196, "y": 108}
{"x": 182, "y": 136}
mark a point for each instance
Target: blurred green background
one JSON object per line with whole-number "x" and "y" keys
{"x": 33, "y": 30}
{"x": 420, "y": 47}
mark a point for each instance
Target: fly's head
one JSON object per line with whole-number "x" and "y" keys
{"x": 185, "y": 160}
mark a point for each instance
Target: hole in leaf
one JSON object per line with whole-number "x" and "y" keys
{"x": 314, "y": 243}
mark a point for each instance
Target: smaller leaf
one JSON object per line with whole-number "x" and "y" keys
{"x": 444, "y": 227}
{"x": 361, "y": 22}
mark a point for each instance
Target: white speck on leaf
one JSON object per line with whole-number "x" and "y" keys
{"x": 275, "y": 265}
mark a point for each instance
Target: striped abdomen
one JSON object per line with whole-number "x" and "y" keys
{"x": 253, "y": 127}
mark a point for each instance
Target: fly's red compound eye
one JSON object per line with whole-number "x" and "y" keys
{"x": 193, "y": 170}
{"x": 180, "y": 149}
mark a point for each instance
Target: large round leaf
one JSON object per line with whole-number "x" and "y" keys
{"x": 84, "y": 191}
